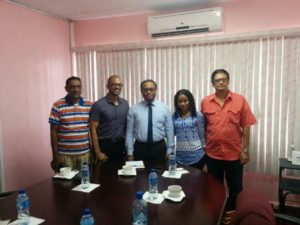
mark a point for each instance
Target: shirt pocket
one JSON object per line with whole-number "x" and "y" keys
{"x": 212, "y": 117}
{"x": 234, "y": 116}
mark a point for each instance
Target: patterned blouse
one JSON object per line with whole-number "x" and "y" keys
{"x": 190, "y": 138}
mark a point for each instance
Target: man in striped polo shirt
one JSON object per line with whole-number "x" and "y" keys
{"x": 69, "y": 129}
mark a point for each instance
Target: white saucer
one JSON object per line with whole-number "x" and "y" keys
{"x": 177, "y": 199}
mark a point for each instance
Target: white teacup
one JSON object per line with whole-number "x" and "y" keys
{"x": 174, "y": 191}
{"x": 64, "y": 171}
{"x": 127, "y": 168}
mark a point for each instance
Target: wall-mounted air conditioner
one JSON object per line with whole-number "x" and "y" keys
{"x": 207, "y": 20}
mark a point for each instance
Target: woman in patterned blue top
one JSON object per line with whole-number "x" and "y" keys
{"x": 189, "y": 130}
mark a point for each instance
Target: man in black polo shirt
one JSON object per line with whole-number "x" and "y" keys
{"x": 108, "y": 123}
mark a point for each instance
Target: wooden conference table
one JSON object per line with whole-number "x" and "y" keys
{"x": 110, "y": 203}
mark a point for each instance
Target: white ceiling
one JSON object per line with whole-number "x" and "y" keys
{"x": 90, "y": 9}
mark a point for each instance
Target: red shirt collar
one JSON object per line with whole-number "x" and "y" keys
{"x": 213, "y": 97}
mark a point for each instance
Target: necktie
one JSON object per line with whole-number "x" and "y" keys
{"x": 150, "y": 126}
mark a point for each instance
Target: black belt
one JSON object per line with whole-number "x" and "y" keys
{"x": 151, "y": 143}
{"x": 112, "y": 140}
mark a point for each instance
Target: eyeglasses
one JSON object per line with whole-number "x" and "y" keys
{"x": 145, "y": 90}
{"x": 219, "y": 80}
{"x": 116, "y": 85}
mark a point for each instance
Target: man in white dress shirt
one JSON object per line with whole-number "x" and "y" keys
{"x": 149, "y": 123}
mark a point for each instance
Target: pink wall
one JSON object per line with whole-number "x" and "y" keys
{"x": 239, "y": 16}
{"x": 34, "y": 63}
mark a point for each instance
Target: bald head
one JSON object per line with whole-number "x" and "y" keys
{"x": 114, "y": 85}
{"x": 113, "y": 77}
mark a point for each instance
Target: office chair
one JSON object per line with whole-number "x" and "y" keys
{"x": 252, "y": 207}
{"x": 287, "y": 218}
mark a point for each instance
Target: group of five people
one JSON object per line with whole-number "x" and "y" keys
{"x": 218, "y": 136}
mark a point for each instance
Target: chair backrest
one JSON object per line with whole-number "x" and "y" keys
{"x": 253, "y": 208}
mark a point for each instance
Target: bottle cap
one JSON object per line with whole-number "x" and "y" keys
{"x": 153, "y": 170}
{"x": 84, "y": 163}
{"x": 21, "y": 191}
{"x": 86, "y": 211}
{"x": 139, "y": 195}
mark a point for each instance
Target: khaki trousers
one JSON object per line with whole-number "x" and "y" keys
{"x": 73, "y": 161}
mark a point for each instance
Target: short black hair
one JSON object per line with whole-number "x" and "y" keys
{"x": 148, "y": 80}
{"x": 191, "y": 99}
{"x": 72, "y": 78}
{"x": 219, "y": 71}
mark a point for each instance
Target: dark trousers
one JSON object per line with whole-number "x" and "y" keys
{"x": 200, "y": 164}
{"x": 114, "y": 150}
{"x": 233, "y": 171}
{"x": 150, "y": 152}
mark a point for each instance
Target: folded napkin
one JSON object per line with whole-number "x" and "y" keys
{"x": 181, "y": 170}
{"x": 136, "y": 164}
{"x": 69, "y": 176}
{"x": 86, "y": 190}
{"x": 4, "y": 222}
{"x": 33, "y": 221}
{"x": 176, "y": 175}
{"x": 129, "y": 173}
{"x": 158, "y": 200}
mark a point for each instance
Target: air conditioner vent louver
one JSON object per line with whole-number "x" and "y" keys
{"x": 181, "y": 32}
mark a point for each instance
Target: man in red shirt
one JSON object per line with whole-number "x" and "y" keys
{"x": 228, "y": 120}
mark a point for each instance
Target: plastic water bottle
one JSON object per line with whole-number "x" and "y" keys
{"x": 172, "y": 164}
{"x": 139, "y": 210}
{"x": 23, "y": 208}
{"x": 87, "y": 218}
{"x": 85, "y": 175}
{"x": 153, "y": 185}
